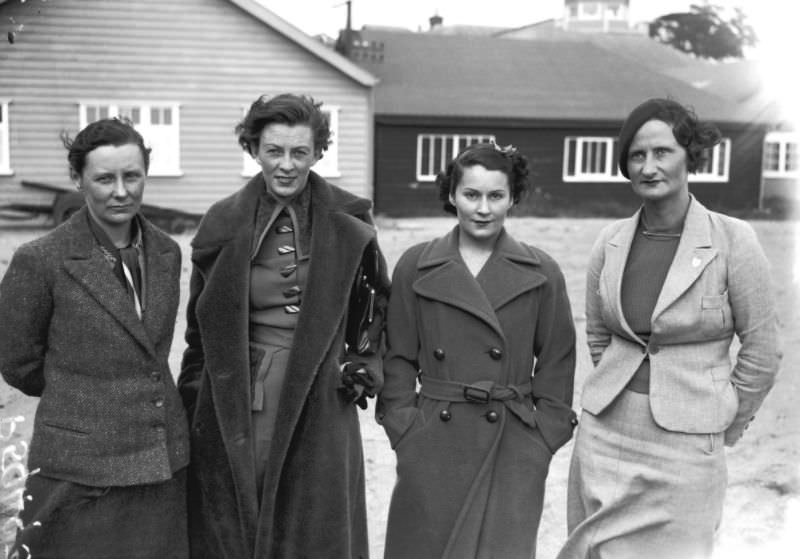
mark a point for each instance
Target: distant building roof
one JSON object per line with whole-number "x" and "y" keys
{"x": 426, "y": 74}
{"x": 313, "y": 46}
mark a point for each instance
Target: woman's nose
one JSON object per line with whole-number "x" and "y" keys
{"x": 119, "y": 188}
{"x": 483, "y": 205}
{"x": 649, "y": 165}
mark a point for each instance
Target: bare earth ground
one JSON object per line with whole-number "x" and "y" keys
{"x": 762, "y": 508}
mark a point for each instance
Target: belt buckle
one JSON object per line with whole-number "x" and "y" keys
{"x": 477, "y": 395}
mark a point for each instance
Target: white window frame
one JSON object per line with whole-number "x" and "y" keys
{"x": 153, "y": 133}
{"x": 610, "y": 173}
{"x": 584, "y": 15}
{"x": 327, "y": 167}
{"x": 714, "y": 159}
{"x": 782, "y": 139}
{"x": 429, "y": 174}
{"x": 5, "y": 138}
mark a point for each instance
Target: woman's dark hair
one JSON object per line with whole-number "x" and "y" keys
{"x": 116, "y": 131}
{"x": 694, "y": 135}
{"x": 286, "y": 109}
{"x": 507, "y": 160}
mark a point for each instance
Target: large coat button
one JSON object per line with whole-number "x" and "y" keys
{"x": 492, "y": 416}
{"x": 438, "y": 353}
{"x": 496, "y": 353}
{"x": 445, "y": 415}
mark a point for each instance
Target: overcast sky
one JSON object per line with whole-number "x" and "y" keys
{"x": 771, "y": 18}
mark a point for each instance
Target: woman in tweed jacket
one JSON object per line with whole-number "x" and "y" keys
{"x": 86, "y": 321}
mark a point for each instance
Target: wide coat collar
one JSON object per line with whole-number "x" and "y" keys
{"x": 510, "y": 271}
{"x": 221, "y": 254}
{"x": 87, "y": 266}
{"x": 695, "y": 251}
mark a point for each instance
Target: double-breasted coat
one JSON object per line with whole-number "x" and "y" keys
{"x": 109, "y": 413}
{"x": 495, "y": 356}
{"x": 313, "y": 502}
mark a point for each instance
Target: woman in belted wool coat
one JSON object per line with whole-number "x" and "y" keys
{"x": 277, "y": 467}
{"x": 483, "y": 322}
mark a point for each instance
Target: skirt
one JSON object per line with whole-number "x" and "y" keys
{"x": 637, "y": 490}
{"x": 65, "y": 520}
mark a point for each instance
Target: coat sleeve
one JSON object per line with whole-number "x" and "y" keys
{"x": 193, "y": 357}
{"x": 376, "y": 330}
{"x": 396, "y": 407}
{"x": 752, "y": 304}
{"x": 26, "y": 306}
{"x": 554, "y": 371}
{"x": 598, "y": 336}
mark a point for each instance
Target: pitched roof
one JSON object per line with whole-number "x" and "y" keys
{"x": 425, "y": 74}
{"x": 313, "y": 46}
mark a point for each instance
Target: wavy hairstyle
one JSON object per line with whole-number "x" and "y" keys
{"x": 117, "y": 131}
{"x": 288, "y": 109}
{"x": 694, "y": 135}
{"x": 507, "y": 160}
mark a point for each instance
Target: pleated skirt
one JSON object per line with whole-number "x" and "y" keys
{"x": 637, "y": 490}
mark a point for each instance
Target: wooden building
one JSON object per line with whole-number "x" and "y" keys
{"x": 184, "y": 71}
{"x": 560, "y": 98}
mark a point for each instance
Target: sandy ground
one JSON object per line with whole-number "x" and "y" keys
{"x": 762, "y": 508}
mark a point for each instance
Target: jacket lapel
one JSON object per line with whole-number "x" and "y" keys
{"x": 89, "y": 268}
{"x": 616, "y": 255}
{"x": 162, "y": 289}
{"x": 693, "y": 255}
{"x": 510, "y": 272}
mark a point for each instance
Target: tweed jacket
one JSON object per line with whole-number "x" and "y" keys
{"x": 313, "y": 501}
{"x": 109, "y": 413}
{"x": 718, "y": 285}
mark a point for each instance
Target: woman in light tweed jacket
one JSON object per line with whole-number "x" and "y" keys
{"x": 667, "y": 289}
{"x": 87, "y": 314}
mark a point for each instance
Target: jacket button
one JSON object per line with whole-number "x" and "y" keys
{"x": 492, "y": 416}
{"x": 445, "y": 415}
{"x": 495, "y": 354}
{"x": 438, "y": 353}
{"x": 158, "y": 402}
{"x": 652, "y": 348}
{"x": 155, "y": 376}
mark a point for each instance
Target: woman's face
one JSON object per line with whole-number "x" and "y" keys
{"x": 657, "y": 164}
{"x": 286, "y": 154}
{"x": 482, "y": 199}
{"x": 112, "y": 183}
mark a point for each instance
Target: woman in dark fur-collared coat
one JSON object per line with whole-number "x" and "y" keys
{"x": 87, "y": 314}
{"x": 483, "y": 323}
{"x": 277, "y": 467}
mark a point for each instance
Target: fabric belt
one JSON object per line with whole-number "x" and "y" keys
{"x": 512, "y": 396}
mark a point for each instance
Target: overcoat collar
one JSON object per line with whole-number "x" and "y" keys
{"x": 510, "y": 271}
{"x": 86, "y": 264}
{"x": 694, "y": 253}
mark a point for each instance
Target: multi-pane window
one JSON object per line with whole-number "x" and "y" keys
{"x": 435, "y": 151}
{"x": 158, "y": 123}
{"x": 327, "y": 167}
{"x": 715, "y": 168}
{"x": 5, "y": 162}
{"x": 590, "y": 159}
{"x": 594, "y": 159}
{"x": 781, "y": 155}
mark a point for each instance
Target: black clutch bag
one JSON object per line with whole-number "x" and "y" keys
{"x": 361, "y": 309}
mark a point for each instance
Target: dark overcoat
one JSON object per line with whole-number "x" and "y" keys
{"x": 470, "y": 474}
{"x": 109, "y": 413}
{"x": 313, "y": 502}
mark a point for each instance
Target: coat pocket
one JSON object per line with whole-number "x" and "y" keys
{"x": 67, "y": 429}
{"x": 716, "y": 310}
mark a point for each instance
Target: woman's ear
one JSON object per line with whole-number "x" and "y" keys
{"x": 75, "y": 178}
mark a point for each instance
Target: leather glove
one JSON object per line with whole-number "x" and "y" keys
{"x": 358, "y": 383}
